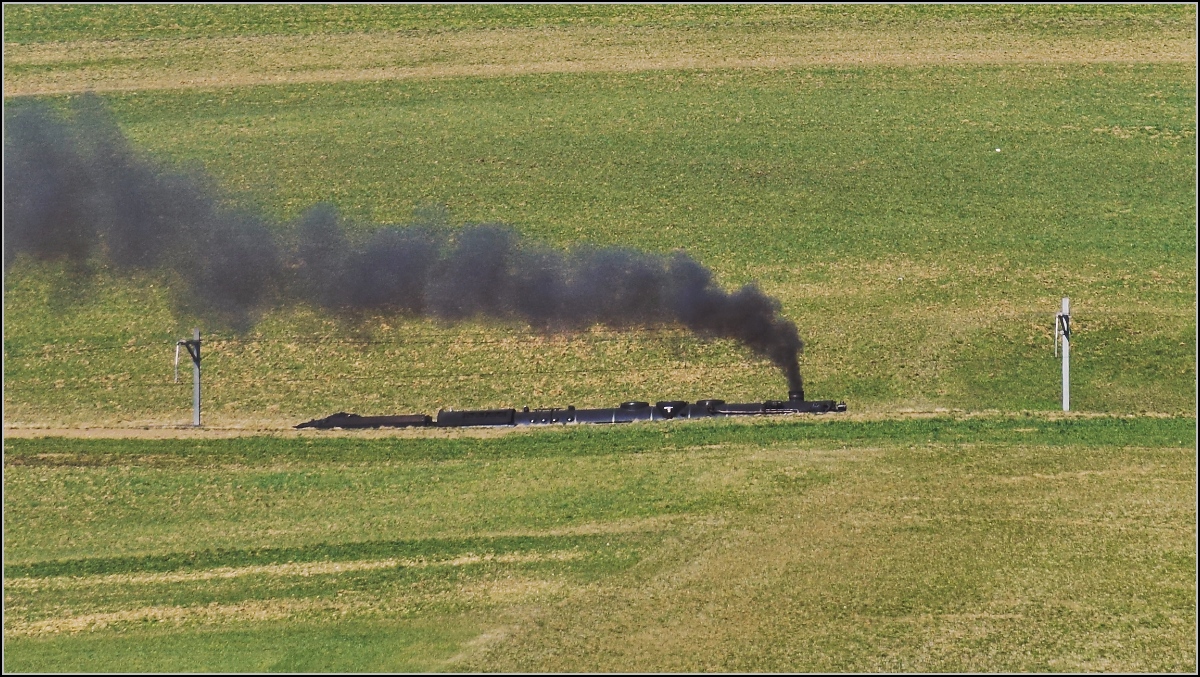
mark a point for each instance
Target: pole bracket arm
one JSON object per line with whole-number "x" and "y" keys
{"x": 1062, "y": 329}
{"x": 193, "y": 348}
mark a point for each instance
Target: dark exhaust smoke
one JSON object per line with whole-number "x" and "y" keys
{"x": 74, "y": 190}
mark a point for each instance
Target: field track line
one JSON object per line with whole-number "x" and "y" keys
{"x": 66, "y": 67}
{"x": 285, "y": 429}
{"x": 303, "y": 569}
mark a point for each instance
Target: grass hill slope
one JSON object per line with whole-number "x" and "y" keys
{"x": 919, "y": 186}
{"x": 919, "y": 224}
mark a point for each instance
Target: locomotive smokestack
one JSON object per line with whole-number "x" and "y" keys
{"x": 792, "y": 371}
{"x": 75, "y": 189}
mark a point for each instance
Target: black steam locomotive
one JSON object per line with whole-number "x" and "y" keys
{"x": 627, "y": 412}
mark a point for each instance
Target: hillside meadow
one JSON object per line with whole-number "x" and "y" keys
{"x": 922, "y": 266}
{"x": 938, "y": 545}
{"x": 918, "y": 186}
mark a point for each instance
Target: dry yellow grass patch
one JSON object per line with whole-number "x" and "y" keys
{"x": 511, "y": 589}
{"x": 618, "y": 526}
{"x": 480, "y": 644}
{"x": 63, "y": 67}
{"x": 254, "y": 610}
{"x": 716, "y": 604}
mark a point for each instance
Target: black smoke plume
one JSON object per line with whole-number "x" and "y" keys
{"x": 75, "y": 190}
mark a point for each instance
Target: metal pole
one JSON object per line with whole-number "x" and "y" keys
{"x": 196, "y": 379}
{"x": 1065, "y": 320}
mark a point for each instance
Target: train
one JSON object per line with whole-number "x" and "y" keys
{"x": 627, "y": 412}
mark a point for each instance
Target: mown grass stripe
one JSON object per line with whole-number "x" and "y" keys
{"x": 416, "y": 549}
{"x": 305, "y": 569}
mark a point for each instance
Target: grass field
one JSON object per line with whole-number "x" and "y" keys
{"x": 919, "y": 186}
{"x": 1019, "y": 544}
{"x": 913, "y": 288}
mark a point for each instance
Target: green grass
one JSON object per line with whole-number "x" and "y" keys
{"x": 772, "y": 546}
{"x": 40, "y": 23}
{"x": 272, "y": 647}
{"x": 920, "y": 264}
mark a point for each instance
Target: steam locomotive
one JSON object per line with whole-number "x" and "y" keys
{"x": 627, "y": 412}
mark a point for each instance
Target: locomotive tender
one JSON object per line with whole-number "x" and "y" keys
{"x": 627, "y": 412}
